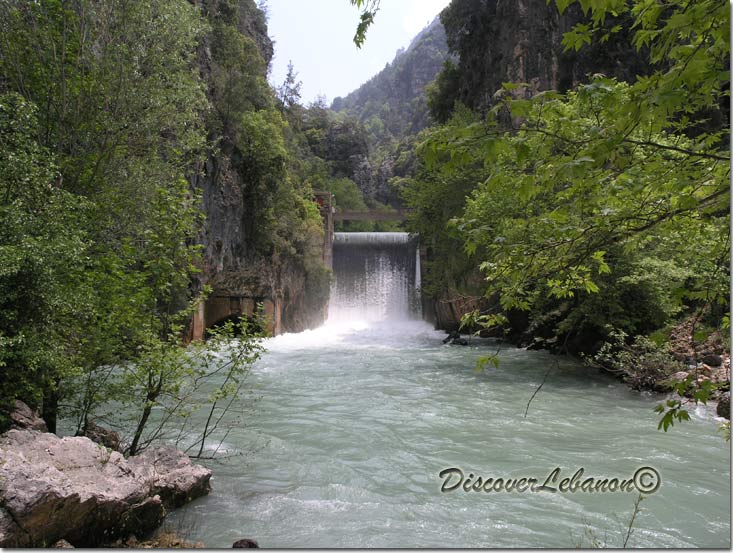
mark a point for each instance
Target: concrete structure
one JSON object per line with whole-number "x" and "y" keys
{"x": 325, "y": 203}
{"x": 222, "y": 306}
{"x": 219, "y": 308}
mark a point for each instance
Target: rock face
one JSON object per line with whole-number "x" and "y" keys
{"x": 521, "y": 42}
{"x": 233, "y": 264}
{"x": 723, "y": 409}
{"x": 73, "y": 489}
{"x": 24, "y": 417}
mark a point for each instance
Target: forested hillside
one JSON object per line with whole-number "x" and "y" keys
{"x": 392, "y": 104}
{"x": 390, "y": 109}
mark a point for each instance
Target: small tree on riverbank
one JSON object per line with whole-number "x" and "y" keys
{"x": 186, "y": 394}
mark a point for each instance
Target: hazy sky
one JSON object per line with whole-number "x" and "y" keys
{"x": 317, "y": 36}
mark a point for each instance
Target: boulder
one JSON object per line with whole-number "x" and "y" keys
{"x": 24, "y": 417}
{"x": 69, "y": 488}
{"x": 73, "y": 489}
{"x": 103, "y": 436}
{"x": 713, "y": 360}
{"x": 679, "y": 376}
{"x": 171, "y": 475}
{"x": 454, "y": 338}
{"x": 245, "y": 543}
{"x": 723, "y": 409}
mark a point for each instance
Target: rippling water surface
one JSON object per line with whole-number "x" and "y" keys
{"x": 355, "y": 421}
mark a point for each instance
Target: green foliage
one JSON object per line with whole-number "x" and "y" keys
{"x": 437, "y": 197}
{"x": 580, "y": 193}
{"x": 442, "y": 93}
{"x": 238, "y": 75}
{"x": 348, "y": 197}
{"x": 689, "y": 390}
{"x": 392, "y": 108}
{"x": 641, "y": 363}
{"x": 674, "y": 412}
{"x": 265, "y": 151}
{"x": 41, "y": 256}
{"x": 173, "y": 393}
{"x": 110, "y": 116}
{"x": 575, "y": 203}
{"x": 168, "y": 380}
{"x": 369, "y": 11}
{"x": 475, "y": 322}
{"x": 289, "y": 92}
{"x": 120, "y": 114}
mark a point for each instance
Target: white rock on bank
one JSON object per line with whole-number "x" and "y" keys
{"x": 55, "y": 488}
{"x": 171, "y": 475}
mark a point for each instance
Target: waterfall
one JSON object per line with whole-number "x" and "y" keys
{"x": 376, "y": 277}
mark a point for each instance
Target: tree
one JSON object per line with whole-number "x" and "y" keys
{"x": 289, "y": 92}
{"x": 121, "y": 111}
{"x": 42, "y": 250}
{"x": 110, "y": 124}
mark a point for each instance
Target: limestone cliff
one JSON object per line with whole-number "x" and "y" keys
{"x": 521, "y": 41}
{"x": 243, "y": 261}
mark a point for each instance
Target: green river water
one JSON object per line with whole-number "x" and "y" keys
{"x": 355, "y": 420}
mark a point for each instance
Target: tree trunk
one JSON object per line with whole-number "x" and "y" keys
{"x": 153, "y": 393}
{"x": 50, "y": 408}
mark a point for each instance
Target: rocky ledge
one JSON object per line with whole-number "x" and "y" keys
{"x": 76, "y": 490}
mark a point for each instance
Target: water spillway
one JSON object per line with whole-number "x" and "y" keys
{"x": 376, "y": 277}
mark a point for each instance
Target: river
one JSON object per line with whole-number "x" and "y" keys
{"x": 351, "y": 424}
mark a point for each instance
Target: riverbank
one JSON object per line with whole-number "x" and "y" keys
{"x": 673, "y": 361}
{"x": 81, "y": 492}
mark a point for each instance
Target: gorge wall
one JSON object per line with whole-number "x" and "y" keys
{"x": 521, "y": 42}
{"x": 252, "y": 251}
